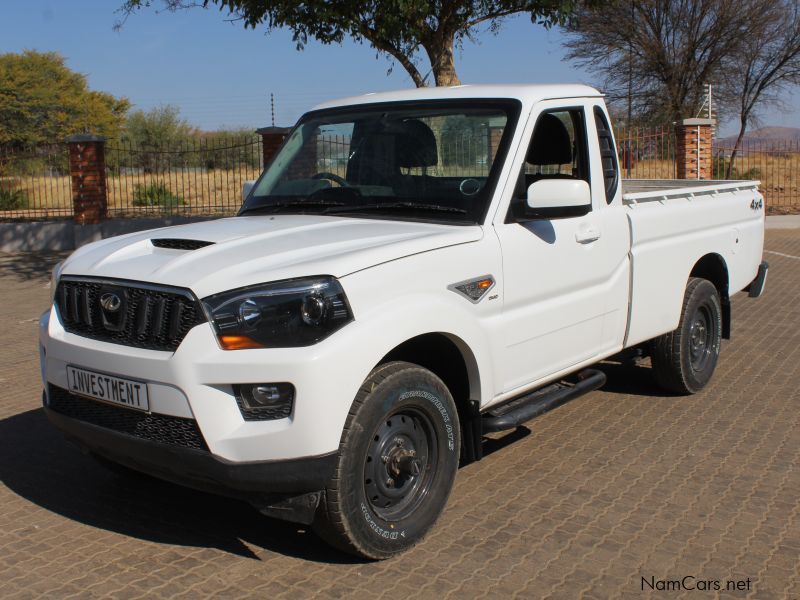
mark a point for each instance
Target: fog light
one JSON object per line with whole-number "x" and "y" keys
{"x": 264, "y": 401}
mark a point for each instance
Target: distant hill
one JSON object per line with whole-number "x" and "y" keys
{"x": 765, "y": 138}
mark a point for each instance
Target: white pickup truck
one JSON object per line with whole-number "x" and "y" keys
{"x": 412, "y": 271}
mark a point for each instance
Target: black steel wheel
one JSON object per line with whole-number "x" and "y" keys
{"x": 701, "y": 337}
{"x": 397, "y": 461}
{"x": 400, "y": 463}
{"x": 684, "y": 360}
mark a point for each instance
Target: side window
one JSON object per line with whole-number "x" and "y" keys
{"x": 608, "y": 154}
{"x": 558, "y": 148}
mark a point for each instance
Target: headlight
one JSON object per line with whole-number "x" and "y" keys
{"x": 55, "y": 275}
{"x": 294, "y": 312}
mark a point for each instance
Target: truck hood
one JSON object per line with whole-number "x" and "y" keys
{"x": 256, "y": 249}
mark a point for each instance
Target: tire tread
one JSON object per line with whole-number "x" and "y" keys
{"x": 330, "y": 523}
{"x": 666, "y": 350}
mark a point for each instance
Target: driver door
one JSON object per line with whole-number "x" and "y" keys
{"x": 556, "y": 271}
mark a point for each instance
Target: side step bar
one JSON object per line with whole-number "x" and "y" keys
{"x": 529, "y": 406}
{"x": 522, "y": 409}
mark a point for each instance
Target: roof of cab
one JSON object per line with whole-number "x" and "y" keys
{"x": 524, "y": 92}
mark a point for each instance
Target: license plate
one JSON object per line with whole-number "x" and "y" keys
{"x": 108, "y": 388}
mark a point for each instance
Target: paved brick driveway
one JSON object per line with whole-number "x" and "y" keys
{"x": 621, "y": 484}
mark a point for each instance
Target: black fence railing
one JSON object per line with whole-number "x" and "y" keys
{"x": 199, "y": 177}
{"x": 205, "y": 176}
{"x": 35, "y": 183}
{"x": 647, "y": 152}
{"x": 776, "y": 163}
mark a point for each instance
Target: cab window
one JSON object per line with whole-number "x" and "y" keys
{"x": 558, "y": 147}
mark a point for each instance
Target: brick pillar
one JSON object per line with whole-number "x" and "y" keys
{"x": 495, "y": 134}
{"x": 694, "y": 139}
{"x": 87, "y": 170}
{"x": 271, "y": 140}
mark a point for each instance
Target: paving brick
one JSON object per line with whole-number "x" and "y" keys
{"x": 618, "y": 485}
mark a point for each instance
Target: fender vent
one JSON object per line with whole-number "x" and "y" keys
{"x": 178, "y": 244}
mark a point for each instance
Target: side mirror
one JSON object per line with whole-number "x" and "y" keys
{"x": 247, "y": 187}
{"x": 558, "y": 198}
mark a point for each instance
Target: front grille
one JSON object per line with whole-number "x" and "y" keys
{"x": 139, "y": 315}
{"x": 164, "y": 429}
{"x": 179, "y": 244}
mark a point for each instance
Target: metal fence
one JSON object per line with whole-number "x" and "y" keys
{"x": 198, "y": 177}
{"x": 647, "y": 152}
{"x": 776, "y": 163}
{"x": 34, "y": 183}
{"x": 204, "y": 176}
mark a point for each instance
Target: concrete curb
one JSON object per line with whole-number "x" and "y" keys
{"x": 67, "y": 235}
{"x": 782, "y": 222}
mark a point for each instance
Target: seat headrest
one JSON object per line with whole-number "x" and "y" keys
{"x": 415, "y": 145}
{"x": 551, "y": 143}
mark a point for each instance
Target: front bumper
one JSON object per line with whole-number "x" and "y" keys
{"x": 196, "y": 382}
{"x": 196, "y": 468}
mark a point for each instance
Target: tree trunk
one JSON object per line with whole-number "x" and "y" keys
{"x": 440, "y": 52}
{"x": 736, "y": 146}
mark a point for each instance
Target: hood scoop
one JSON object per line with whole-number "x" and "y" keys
{"x": 179, "y": 244}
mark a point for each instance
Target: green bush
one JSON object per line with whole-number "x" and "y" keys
{"x": 719, "y": 167}
{"x": 13, "y": 199}
{"x": 155, "y": 194}
{"x": 753, "y": 173}
{"x": 720, "y": 170}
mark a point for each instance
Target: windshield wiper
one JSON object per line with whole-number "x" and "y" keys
{"x": 397, "y": 206}
{"x": 277, "y": 206}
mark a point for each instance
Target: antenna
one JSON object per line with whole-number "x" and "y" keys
{"x": 272, "y": 107}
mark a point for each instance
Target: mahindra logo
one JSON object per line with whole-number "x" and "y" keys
{"x": 110, "y": 302}
{"x": 113, "y": 302}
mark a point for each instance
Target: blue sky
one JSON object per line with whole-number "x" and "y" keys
{"x": 221, "y": 75}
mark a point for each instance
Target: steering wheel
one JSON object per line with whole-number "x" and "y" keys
{"x": 331, "y": 176}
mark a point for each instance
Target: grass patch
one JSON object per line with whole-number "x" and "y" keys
{"x": 155, "y": 194}
{"x": 13, "y": 199}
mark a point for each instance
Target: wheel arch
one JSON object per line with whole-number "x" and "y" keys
{"x": 713, "y": 267}
{"x": 448, "y": 357}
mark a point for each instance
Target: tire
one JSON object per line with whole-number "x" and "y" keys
{"x": 397, "y": 460}
{"x": 684, "y": 360}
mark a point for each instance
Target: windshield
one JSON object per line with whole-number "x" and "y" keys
{"x": 433, "y": 161}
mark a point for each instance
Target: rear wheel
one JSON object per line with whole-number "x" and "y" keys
{"x": 684, "y": 360}
{"x": 397, "y": 461}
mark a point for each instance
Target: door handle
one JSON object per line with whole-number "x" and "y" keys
{"x": 585, "y": 235}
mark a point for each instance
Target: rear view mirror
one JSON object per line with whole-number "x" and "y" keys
{"x": 558, "y": 198}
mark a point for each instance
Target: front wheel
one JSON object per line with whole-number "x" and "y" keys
{"x": 684, "y": 360}
{"x": 397, "y": 461}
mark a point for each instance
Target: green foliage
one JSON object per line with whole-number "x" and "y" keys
{"x": 12, "y": 198}
{"x": 157, "y": 128}
{"x": 751, "y": 173}
{"x": 153, "y": 139}
{"x": 43, "y": 101}
{"x": 229, "y": 149}
{"x": 719, "y": 170}
{"x": 400, "y": 28}
{"x": 156, "y": 194}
